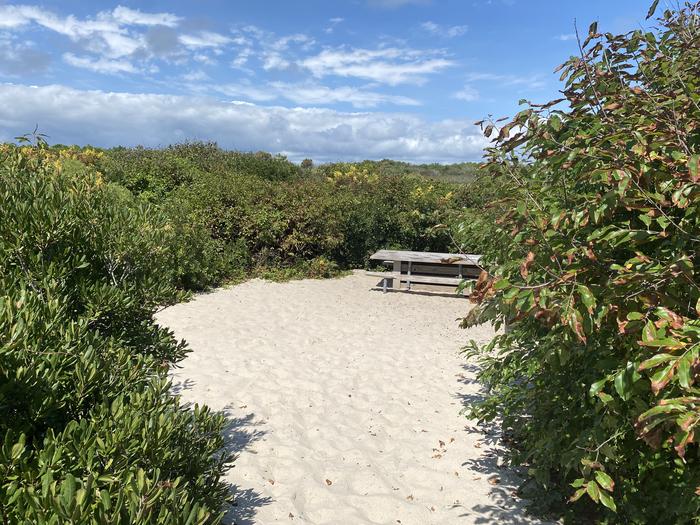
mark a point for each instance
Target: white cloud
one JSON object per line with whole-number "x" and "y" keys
{"x": 204, "y": 59}
{"x": 566, "y": 37}
{"x": 69, "y": 115}
{"x": 135, "y": 17}
{"x": 242, "y": 59}
{"x": 103, "y": 31}
{"x": 444, "y": 31}
{"x": 113, "y": 37}
{"x": 273, "y": 60}
{"x": 13, "y": 16}
{"x": 467, "y": 93}
{"x": 321, "y": 95}
{"x": 195, "y": 76}
{"x": 529, "y": 81}
{"x": 283, "y": 42}
{"x": 106, "y": 33}
{"x": 388, "y": 65}
{"x": 332, "y": 22}
{"x": 116, "y": 44}
{"x": 273, "y": 52}
{"x": 312, "y": 94}
{"x": 100, "y": 65}
{"x": 205, "y": 39}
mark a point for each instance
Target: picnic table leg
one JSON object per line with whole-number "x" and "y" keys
{"x": 384, "y": 284}
{"x": 396, "y": 282}
{"x": 409, "y": 276}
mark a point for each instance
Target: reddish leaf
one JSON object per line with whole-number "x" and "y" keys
{"x": 576, "y": 324}
{"x": 612, "y": 106}
{"x": 525, "y": 265}
{"x": 694, "y": 168}
{"x": 604, "y": 480}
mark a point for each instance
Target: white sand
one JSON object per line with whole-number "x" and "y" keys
{"x": 344, "y": 404}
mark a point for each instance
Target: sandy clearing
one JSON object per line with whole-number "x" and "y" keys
{"x": 343, "y": 404}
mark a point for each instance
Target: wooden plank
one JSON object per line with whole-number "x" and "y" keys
{"x": 414, "y": 278}
{"x": 384, "y": 275}
{"x": 431, "y": 279}
{"x": 427, "y": 257}
{"x": 446, "y": 270}
{"x": 396, "y": 283}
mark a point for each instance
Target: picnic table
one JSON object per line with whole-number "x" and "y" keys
{"x": 425, "y": 267}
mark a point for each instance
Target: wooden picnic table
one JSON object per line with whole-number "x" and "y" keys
{"x": 420, "y": 267}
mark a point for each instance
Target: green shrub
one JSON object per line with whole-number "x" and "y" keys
{"x": 90, "y": 433}
{"x": 459, "y": 173}
{"x": 258, "y": 225}
{"x": 154, "y": 173}
{"x": 592, "y": 250}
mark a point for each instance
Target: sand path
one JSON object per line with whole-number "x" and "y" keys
{"x": 343, "y": 404}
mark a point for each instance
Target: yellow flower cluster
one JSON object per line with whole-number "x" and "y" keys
{"x": 420, "y": 191}
{"x": 353, "y": 175}
{"x": 88, "y": 156}
{"x": 55, "y": 157}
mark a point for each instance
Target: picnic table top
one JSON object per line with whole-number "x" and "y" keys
{"x": 426, "y": 257}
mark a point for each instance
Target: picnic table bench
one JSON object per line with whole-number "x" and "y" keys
{"x": 425, "y": 268}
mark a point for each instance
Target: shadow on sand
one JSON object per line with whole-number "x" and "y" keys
{"x": 428, "y": 293}
{"x": 506, "y": 507}
{"x": 239, "y": 434}
{"x": 177, "y": 386}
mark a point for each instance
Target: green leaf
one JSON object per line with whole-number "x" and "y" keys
{"x": 105, "y": 499}
{"x": 661, "y": 378}
{"x": 664, "y": 342}
{"x": 578, "y": 483}
{"x": 608, "y": 501}
{"x": 605, "y": 398}
{"x": 649, "y": 332}
{"x": 18, "y": 448}
{"x": 68, "y": 489}
{"x": 577, "y": 495}
{"x": 661, "y": 409}
{"x": 501, "y": 284}
{"x": 140, "y": 479}
{"x": 684, "y": 370}
{"x": 555, "y": 123}
{"x": 654, "y": 361}
{"x": 652, "y": 9}
{"x": 593, "y": 490}
{"x": 597, "y": 386}
{"x": 587, "y": 297}
{"x": 604, "y": 480}
{"x": 46, "y": 481}
{"x": 624, "y": 381}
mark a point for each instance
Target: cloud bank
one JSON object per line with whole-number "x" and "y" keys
{"x": 105, "y": 119}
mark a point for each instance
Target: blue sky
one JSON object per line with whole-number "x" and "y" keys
{"x": 330, "y": 80}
